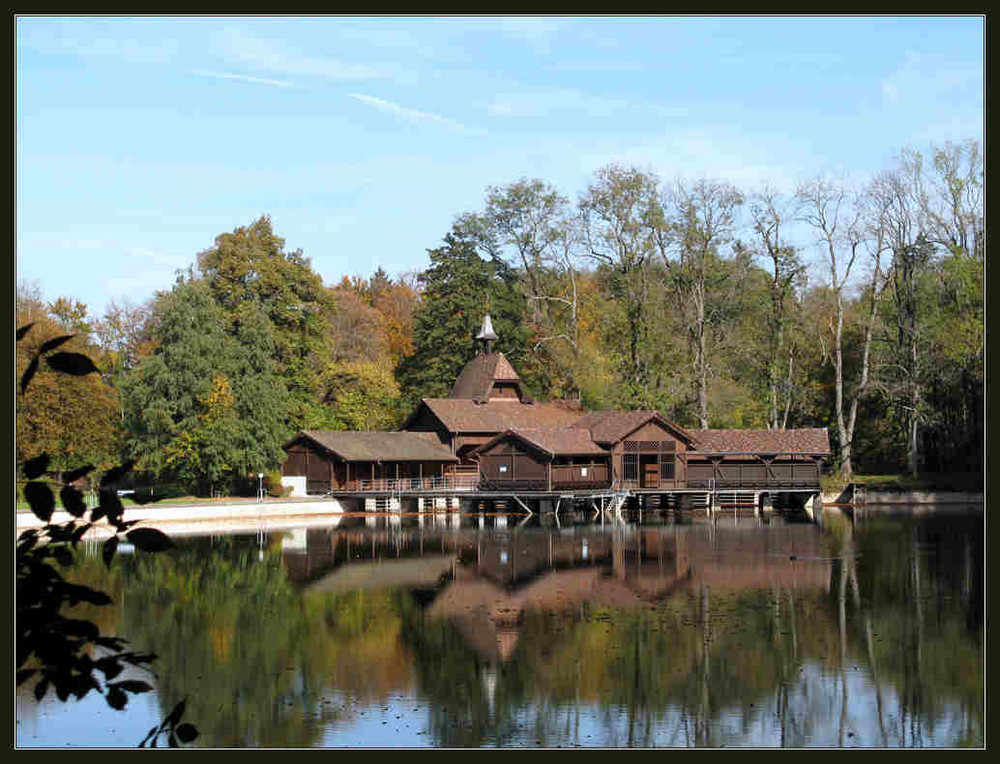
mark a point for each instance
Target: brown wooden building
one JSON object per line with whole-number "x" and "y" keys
{"x": 489, "y": 432}
{"x": 359, "y": 461}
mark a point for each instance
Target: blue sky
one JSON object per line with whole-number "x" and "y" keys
{"x": 141, "y": 139}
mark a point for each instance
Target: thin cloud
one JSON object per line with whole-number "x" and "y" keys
{"x": 130, "y": 50}
{"x": 266, "y": 54}
{"x": 242, "y": 78}
{"x": 412, "y": 115}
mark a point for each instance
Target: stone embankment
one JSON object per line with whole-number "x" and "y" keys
{"x": 876, "y": 499}
{"x": 188, "y": 519}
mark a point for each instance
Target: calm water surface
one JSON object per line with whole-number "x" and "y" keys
{"x": 489, "y": 631}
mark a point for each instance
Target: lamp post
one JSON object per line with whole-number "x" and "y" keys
{"x": 260, "y": 487}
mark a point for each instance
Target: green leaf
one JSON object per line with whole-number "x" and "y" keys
{"x": 149, "y": 539}
{"x": 55, "y": 342}
{"x": 36, "y": 467}
{"x": 23, "y": 331}
{"x": 28, "y": 374}
{"x": 40, "y": 499}
{"x": 76, "y": 364}
{"x": 72, "y": 501}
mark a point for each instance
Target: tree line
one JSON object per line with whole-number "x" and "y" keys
{"x": 854, "y": 307}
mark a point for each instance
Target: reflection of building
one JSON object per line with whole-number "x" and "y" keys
{"x": 488, "y": 434}
{"x": 484, "y": 582}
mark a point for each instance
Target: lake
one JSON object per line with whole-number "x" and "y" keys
{"x": 500, "y": 631}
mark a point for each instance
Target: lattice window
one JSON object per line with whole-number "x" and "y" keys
{"x": 631, "y": 466}
{"x": 631, "y": 446}
{"x": 667, "y": 467}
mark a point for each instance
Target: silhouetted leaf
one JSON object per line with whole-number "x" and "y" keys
{"x": 41, "y": 688}
{"x": 187, "y": 732}
{"x": 55, "y": 342}
{"x": 145, "y": 498}
{"x": 28, "y": 374}
{"x": 78, "y": 627}
{"x": 76, "y": 364}
{"x": 81, "y": 531}
{"x": 117, "y": 698}
{"x": 72, "y": 501}
{"x": 73, "y": 475}
{"x": 36, "y": 467}
{"x": 111, "y": 506}
{"x": 110, "y": 666}
{"x": 24, "y": 330}
{"x": 172, "y": 738}
{"x": 97, "y": 513}
{"x": 175, "y": 714}
{"x": 133, "y": 685}
{"x": 63, "y": 556}
{"x": 112, "y": 643}
{"x": 40, "y": 499}
{"x": 28, "y": 536}
{"x": 115, "y": 474}
{"x": 78, "y": 593}
{"x": 149, "y": 539}
{"x": 25, "y": 674}
{"x": 108, "y": 550}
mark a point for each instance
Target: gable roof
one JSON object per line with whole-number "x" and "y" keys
{"x": 812, "y": 440}
{"x": 465, "y": 415}
{"x": 554, "y": 441}
{"x": 378, "y": 446}
{"x": 612, "y": 425}
{"x": 477, "y": 378}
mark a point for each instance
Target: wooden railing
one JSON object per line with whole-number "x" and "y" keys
{"x": 462, "y": 481}
{"x": 800, "y": 475}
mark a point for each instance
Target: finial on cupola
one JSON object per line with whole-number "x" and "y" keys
{"x": 486, "y": 335}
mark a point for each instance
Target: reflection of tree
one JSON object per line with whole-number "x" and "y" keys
{"x": 256, "y": 658}
{"x": 919, "y": 598}
{"x": 265, "y": 664}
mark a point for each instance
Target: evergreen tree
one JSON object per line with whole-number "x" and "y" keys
{"x": 208, "y": 406}
{"x": 250, "y": 265}
{"x": 458, "y": 288}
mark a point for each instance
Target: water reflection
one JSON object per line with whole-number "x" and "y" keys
{"x": 497, "y": 630}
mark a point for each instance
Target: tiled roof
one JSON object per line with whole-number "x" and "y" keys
{"x": 612, "y": 425}
{"x": 379, "y": 446}
{"x": 813, "y": 440}
{"x": 465, "y": 415}
{"x": 476, "y": 379}
{"x": 556, "y": 441}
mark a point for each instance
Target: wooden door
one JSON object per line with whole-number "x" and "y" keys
{"x": 650, "y": 472}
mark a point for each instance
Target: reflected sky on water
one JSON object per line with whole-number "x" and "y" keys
{"x": 497, "y": 630}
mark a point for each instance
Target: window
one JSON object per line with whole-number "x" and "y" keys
{"x": 667, "y": 467}
{"x": 583, "y": 472}
{"x": 503, "y": 467}
{"x": 631, "y": 466}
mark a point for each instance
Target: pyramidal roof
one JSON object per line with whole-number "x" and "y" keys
{"x": 477, "y": 378}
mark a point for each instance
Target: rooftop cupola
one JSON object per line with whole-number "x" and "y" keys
{"x": 486, "y": 335}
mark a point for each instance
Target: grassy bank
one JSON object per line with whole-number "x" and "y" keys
{"x": 950, "y": 481}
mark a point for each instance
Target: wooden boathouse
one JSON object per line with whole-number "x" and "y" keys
{"x": 489, "y": 438}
